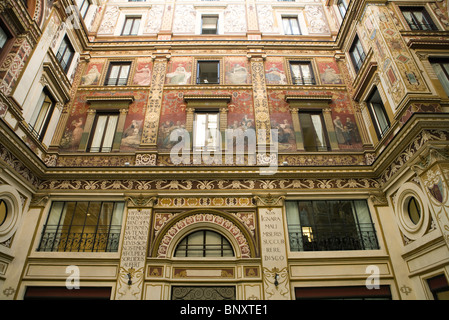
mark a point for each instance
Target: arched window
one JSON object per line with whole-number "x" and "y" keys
{"x": 3, "y": 212}
{"x": 204, "y": 243}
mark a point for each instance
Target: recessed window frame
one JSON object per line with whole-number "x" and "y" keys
{"x": 306, "y": 135}
{"x": 134, "y": 28}
{"x": 65, "y": 53}
{"x": 206, "y": 133}
{"x": 200, "y": 76}
{"x": 118, "y": 81}
{"x": 290, "y": 25}
{"x": 84, "y": 7}
{"x": 302, "y": 80}
{"x": 378, "y": 113}
{"x": 42, "y": 115}
{"x": 207, "y": 30}
{"x": 441, "y": 67}
{"x": 415, "y": 24}
{"x": 107, "y": 130}
{"x": 357, "y": 54}
{"x": 342, "y": 8}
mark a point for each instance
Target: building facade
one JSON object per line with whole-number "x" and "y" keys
{"x": 248, "y": 150}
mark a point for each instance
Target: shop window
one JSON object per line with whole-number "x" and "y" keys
{"x": 82, "y": 227}
{"x": 330, "y": 225}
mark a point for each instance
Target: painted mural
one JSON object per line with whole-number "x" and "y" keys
{"x": 179, "y": 71}
{"x": 281, "y": 120}
{"x": 92, "y": 75}
{"x": 237, "y": 70}
{"x": 274, "y": 71}
{"x": 329, "y": 71}
{"x": 142, "y": 74}
{"x": 173, "y": 116}
{"x": 77, "y": 119}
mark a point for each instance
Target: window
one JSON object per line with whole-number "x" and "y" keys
{"x": 3, "y": 212}
{"x": 414, "y": 210}
{"x": 313, "y": 131}
{"x": 357, "y": 54}
{"x": 208, "y": 72}
{"x": 378, "y": 114}
{"x": 326, "y": 225}
{"x": 131, "y": 26}
{"x": 291, "y": 25}
{"x": 103, "y": 130}
{"x": 42, "y": 115}
{"x": 82, "y": 227}
{"x": 206, "y": 131}
{"x": 302, "y": 73}
{"x": 204, "y": 243}
{"x": 118, "y": 74}
{"x": 341, "y": 5}
{"x": 4, "y": 37}
{"x": 418, "y": 19}
{"x": 441, "y": 68}
{"x": 65, "y": 54}
{"x": 209, "y": 24}
{"x": 84, "y": 5}
{"x": 439, "y": 287}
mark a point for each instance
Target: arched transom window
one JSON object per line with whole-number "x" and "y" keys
{"x": 204, "y": 243}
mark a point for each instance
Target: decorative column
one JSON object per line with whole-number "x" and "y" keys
{"x": 148, "y": 145}
{"x": 135, "y": 248}
{"x": 261, "y": 109}
{"x": 276, "y": 282}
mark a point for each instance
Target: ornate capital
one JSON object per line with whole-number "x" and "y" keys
{"x": 379, "y": 199}
{"x": 39, "y": 200}
{"x": 269, "y": 200}
{"x": 141, "y": 201}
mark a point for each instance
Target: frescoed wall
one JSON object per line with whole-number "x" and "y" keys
{"x": 142, "y": 73}
{"x": 274, "y": 71}
{"x": 237, "y": 70}
{"x": 93, "y": 73}
{"x": 132, "y": 131}
{"x": 179, "y": 71}
{"x": 329, "y": 71}
{"x": 281, "y": 120}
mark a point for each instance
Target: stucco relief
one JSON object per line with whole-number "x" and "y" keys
{"x": 109, "y": 20}
{"x": 266, "y": 18}
{"x": 184, "y": 19}
{"x": 154, "y": 19}
{"x": 316, "y": 19}
{"x": 235, "y": 19}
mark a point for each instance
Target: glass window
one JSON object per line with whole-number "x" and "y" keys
{"x": 103, "y": 132}
{"x": 131, "y": 26}
{"x": 42, "y": 115}
{"x": 118, "y": 74}
{"x": 209, "y": 24}
{"x": 414, "y": 210}
{"x": 439, "y": 287}
{"x": 357, "y": 54}
{"x": 327, "y": 225}
{"x": 208, "y": 72}
{"x": 84, "y": 5}
{"x": 204, "y": 243}
{"x": 378, "y": 114}
{"x": 65, "y": 54}
{"x": 342, "y": 7}
{"x": 313, "y": 131}
{"x": 206, "y": 131}
{"x": 291, "y": 26}
{"x": 3, "y": 37}
{"x": 82, "y": 227}
{"x": 302, "y": 73}
{"x": 441, "y": 68}
{"x": 418, "y": 19}
{"x": 3, "y": 212}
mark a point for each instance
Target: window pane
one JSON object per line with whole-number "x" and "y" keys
{"x": 318, "y": 126}
{"x": 326, "y": 225}
{"x": 99, "y": 132}
{"x": 127, "y": 27}
{"x": 442, "y": 72}
{"x": 204, "y": 243}
{"x": 3, "y": 38}
{"x": 200, "y": 130}
{"x": 109, "y": 134}
{"x": 123, "y": 77}
{"x": 313, "y": 132}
